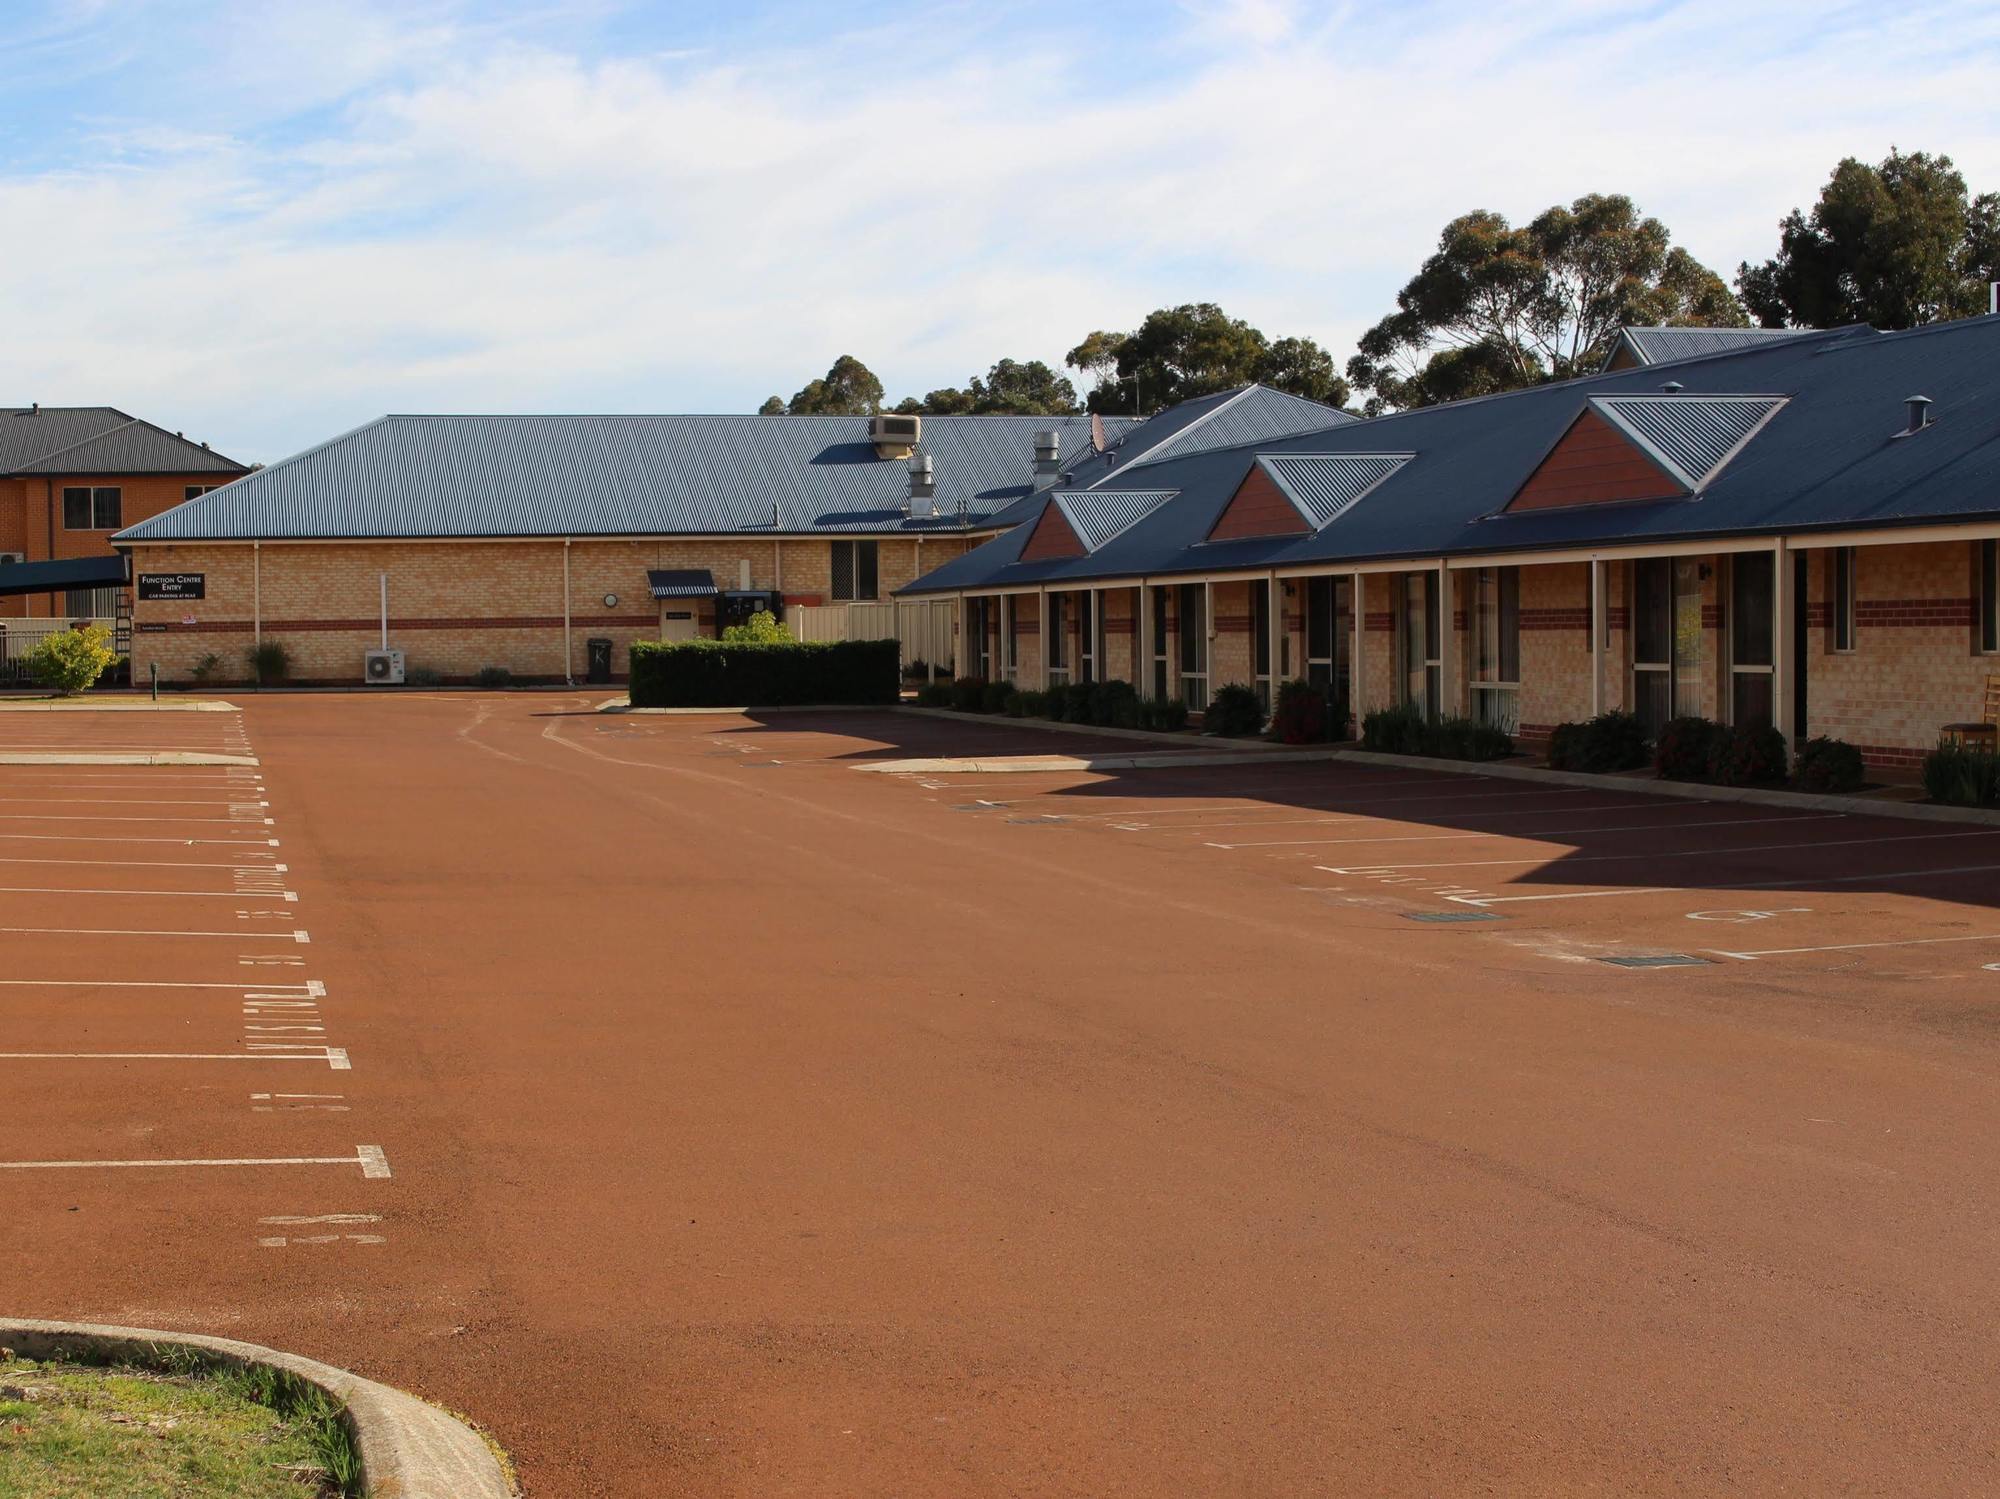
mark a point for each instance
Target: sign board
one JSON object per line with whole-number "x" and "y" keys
{"x": 153, "y": 629}
{"x": 678, "y": 614}
{"x": 172, "y": 585}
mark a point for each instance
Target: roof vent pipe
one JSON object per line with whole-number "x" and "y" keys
{"x": 1920, "y": 412}
{"x": 923, "y": 479}
{"x": 1672, "y": 388}
{"x": 1048, "y": 458}
{"x": 1993, "y": 296}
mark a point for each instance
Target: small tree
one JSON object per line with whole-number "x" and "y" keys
{"x": 761, "y": 628}
{"x": 269, "y": 662}
{"x": 72, "y": 661}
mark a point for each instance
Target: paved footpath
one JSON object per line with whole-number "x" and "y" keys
{"x": 708, "y": 1119}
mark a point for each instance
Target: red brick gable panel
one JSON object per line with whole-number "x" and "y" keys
{"x": 1052, "y": 538}
{"x": 1594, "y": 464}
{"x": 1258, "y": 508}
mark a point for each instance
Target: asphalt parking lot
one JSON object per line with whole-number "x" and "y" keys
{"x": 705, "y": 1116}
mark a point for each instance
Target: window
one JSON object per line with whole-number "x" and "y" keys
{"x": 1751, "y": 639}
{"x": 1191, "y": 613}
{"x": 1417, "y": 640}
{"x": 1840, "y": 596}
{"x": 1989, "y": 596}
{"x": 1496, "y": 644}
{"x": 87, "y": 509}
{"x": 854, "y": 572}
{"x": 1056, "y": 634}
{"x": 196, "y": 491}
{"x": 90, "y": 603}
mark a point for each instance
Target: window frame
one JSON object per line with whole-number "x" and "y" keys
{"x": 196, "y": 491}
{"x": 94, "y": 496}
{"x": 1986, "y": 622}
{"x": 853, "y": 551}
{"x": 1843, "y": 569}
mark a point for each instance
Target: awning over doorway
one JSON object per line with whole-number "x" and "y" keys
{"x": 682, "y": 583}
{"x": 53, "y": 577}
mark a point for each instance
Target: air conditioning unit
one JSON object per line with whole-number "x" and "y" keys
{"x": 382, "y": 668}
{"x": 895, "y": 436}
{"x": 9, "y": 557}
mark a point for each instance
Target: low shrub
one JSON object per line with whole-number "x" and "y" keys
{"x": 937, "y": 694}
{"x": 269, "y": 662}
{"x": 1394, "y": 731}
{"x": 968, "y": 694}
{"x": 1070, "y": 704}
{"x": 1744, "y": 756}
{"x": 1962, "y": 777}
{"x": 1235, "y": 712}
{"x": 1114, "y": 704}
{"x": 423, "y": 676}
{"x": 71, "y": 660}
{"x": 1027, "y": 704}
{"x": 1609, "y": 742}
{"x": 206, "y": 671}
{"x": 761, "y": 628}
{"x": 493, "y": 676}
{"x": 1167, "y": 717}
{"x": 723, "y": 673}
{"x": 1828, "y": 765}
{"x": 1684, "y": 748}
{"x": 1304, "y": 715}
{"x": 1465, "y": 739}
{"x": 994, "y": 696}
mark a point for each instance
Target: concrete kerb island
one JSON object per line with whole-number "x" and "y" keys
{"x": 113, "y": 705}
{"x": 409, "y": 1449}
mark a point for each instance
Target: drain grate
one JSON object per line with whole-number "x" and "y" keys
{"x": 1657, "y": 960}
{"x": 757, "y": 764}
{"x": 1035, "y": 821}
{"x": 1452, "y": 916}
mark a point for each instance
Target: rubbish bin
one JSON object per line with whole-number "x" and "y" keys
{"x": 600, "y": 659}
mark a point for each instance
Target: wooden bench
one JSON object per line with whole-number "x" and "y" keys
{"x": 1982, "y": 735}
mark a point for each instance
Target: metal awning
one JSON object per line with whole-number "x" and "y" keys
{"x": 53, "y": 577}
{"x": 682, "y": 583}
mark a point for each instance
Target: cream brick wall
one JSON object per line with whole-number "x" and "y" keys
{"x": 455, "y": 607}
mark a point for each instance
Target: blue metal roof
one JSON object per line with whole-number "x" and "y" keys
{"x": 1663, "y": 345}
{"x": 466, "y": 476}
{"x": 681, "y": 583}
{"x": 107, "y": 571}
{"x": 57, "y": 440}
{"x": 1834, "y": 455}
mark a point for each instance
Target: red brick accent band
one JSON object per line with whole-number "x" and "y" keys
{"x": 1555, "y": 619}
{"x": 1711, "y": 616}
{"x": 1381, "y": 622}
{"x": 372, "y": 626}
{"x": 1234, "y": 624}
{"x": 1893, "y": 612}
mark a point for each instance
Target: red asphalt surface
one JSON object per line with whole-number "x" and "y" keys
{"x": 758, "y": 1126}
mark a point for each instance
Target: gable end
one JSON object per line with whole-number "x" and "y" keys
{"x": 1594, "y": 464}
{"x": 1053, "y": 537}
{"x": 1258, "y": 508}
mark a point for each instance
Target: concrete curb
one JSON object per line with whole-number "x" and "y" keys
{"x": 1854, "y": 806}
{"x": 1148, "y": 736}
{"x": 121, "y": 757}
{"x": 409, "y": 1449}
{"x": 69, "y": 705}
{"x": 623, "y": 705}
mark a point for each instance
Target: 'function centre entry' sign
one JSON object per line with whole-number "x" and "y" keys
{"x": 172, "y": 585}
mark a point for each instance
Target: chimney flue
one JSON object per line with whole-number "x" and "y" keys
{"x": 1919, "y": 408}
{"x": 923, "y": 478}
{"x": 1048, "y": 458}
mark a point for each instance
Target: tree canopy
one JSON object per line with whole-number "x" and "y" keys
{"x": 1894, "y": 245}
{"x": 1499, "y": 307}
{"x": 1011, "y": 388}
{"x": 1196, "y": 349}
{"x": 849, "y": 388}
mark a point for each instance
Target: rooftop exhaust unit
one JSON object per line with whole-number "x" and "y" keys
{"x": 1048, "y": 458}
{"x": 895, "y": 436}
{"x": 923, "y": 485}
{"x": 1672, "y": 388}
{"x": 1919, "y": 409}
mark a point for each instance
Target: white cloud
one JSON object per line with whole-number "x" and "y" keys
{"x": 464, "y": 215}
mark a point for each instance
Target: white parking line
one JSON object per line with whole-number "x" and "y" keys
{"x": 309, "y": 988}
{"x": 1457, "y": 818}
{"x": 136, "y": 838}
{"x": 1782, "y": 952}
{"x": 1629, "y": 827}
{"x": 1647, "y": 856}
{"x": 368, "y": 1157}
{"x": 134, "y": 801}
{"x": 335, "y": 1057}
{"x": 220, "y": 894}
{"x": 149, "y": 864}
{"x": 69, "y": 817}
{"x": 1279, "y": 822}
{"x": 113, "y": 931}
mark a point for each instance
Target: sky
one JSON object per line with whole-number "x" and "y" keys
{"x": 265, "y": 223}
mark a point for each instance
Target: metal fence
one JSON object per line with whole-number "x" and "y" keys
{"x": 924, "y": 629}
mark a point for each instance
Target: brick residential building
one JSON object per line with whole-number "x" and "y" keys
{"x": 517, "y": 541}
{"x": 1799, "y": 530}
{"x": 73, "y": 476}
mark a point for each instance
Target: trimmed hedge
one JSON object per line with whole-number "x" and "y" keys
{"x": 1234, "y": 712}
{"x": 725, "y": 674}
{"x": 1609, "y": 742}
{"x": 1747, "y": 757}
{"x": 1685, "y": 748}
{"x": 1405, "y": 731}
{"x": 1962, "y": 777}
{"x": 1307, "y": 714}
{"x": 1828, "y": 765}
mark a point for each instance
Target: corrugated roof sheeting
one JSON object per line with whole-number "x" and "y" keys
{"x": 1322, "y": 485}
{"x": 1835, "y": 457}
{"x": 1661, "y": 345}
{"x": 681, "y": 583}
{"x": 98, "y": 440}
{"x": 1097, "y": 515}
{"x": 442, "y": 476}
{"x": 1694, "y": 435}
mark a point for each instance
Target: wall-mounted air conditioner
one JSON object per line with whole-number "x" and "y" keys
{"x": 382, "y": 668}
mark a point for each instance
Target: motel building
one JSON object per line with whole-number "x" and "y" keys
{"x": 547, "y": 545}
{"x": 1797, "y": 530}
